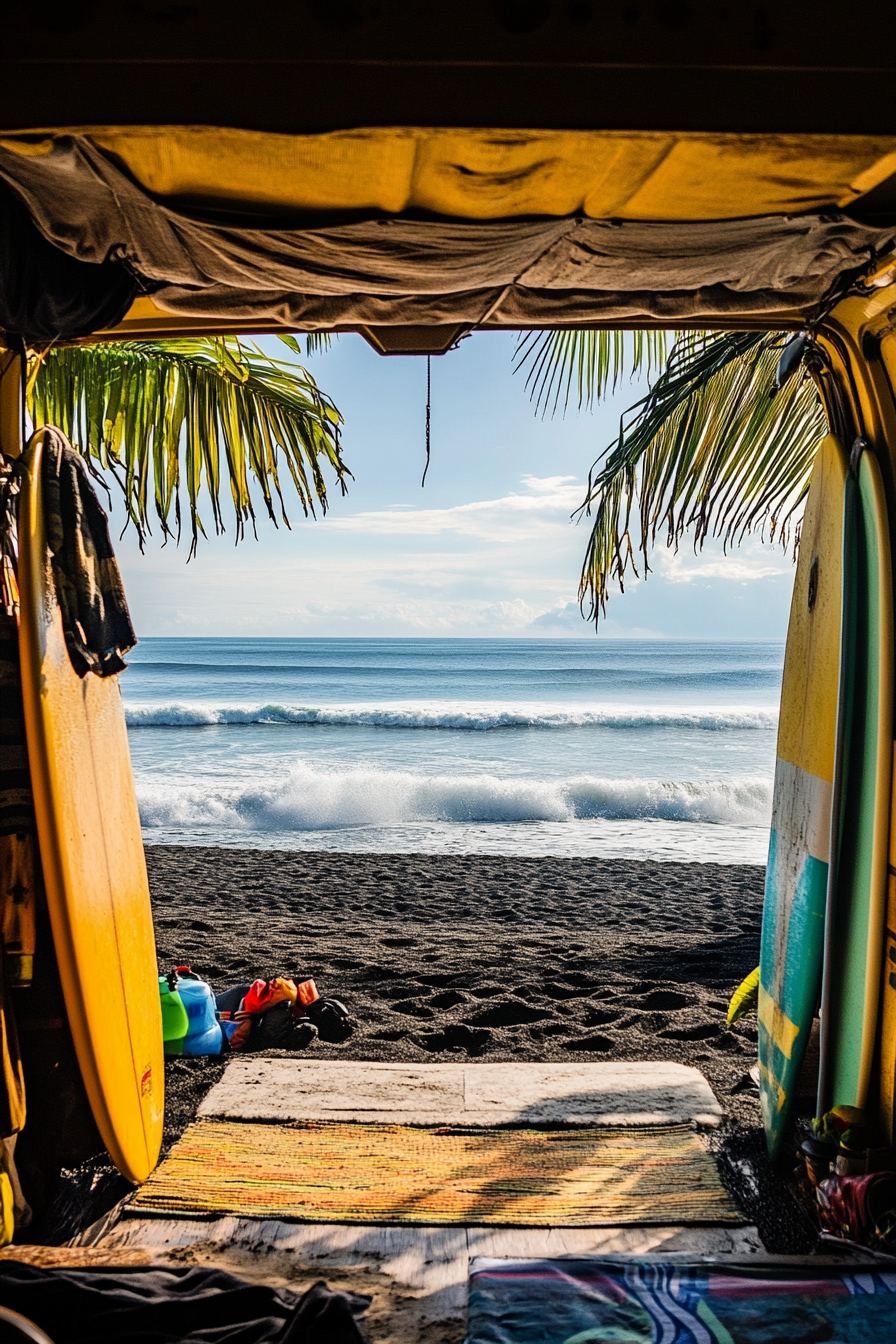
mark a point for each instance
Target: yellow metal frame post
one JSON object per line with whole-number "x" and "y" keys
{"x": 12, "y": 402}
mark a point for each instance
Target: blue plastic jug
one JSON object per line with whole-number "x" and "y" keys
{"x": 204, "y": 1036}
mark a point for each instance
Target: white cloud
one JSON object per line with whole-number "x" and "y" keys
{"x": 549, "y": 497}
{"x": 508, "y": 566}
{"x": 683, "y": 567}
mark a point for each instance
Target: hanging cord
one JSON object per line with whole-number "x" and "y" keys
{"x": 428, "y": 415}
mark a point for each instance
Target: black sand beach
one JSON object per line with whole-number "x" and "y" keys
{"x": 491, "y": 958}
{"x": 527, "y": 959}
{"x": 478, "y": 957}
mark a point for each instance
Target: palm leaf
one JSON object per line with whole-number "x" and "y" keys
{"x": 592, "y": 361}
{"x": 315, "y": 341}
{"x": 709, "y": 449}
{"x": 173, "y": 419}
{"x": 744, "y": 999}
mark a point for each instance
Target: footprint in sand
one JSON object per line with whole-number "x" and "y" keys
{"x": 650, "y": 1023}
{"x": 702, "y": 1032}
{"x": 449, "y": 999}
{"x": 456, "y": 1038}
{"x": 406, "y": 989}
{"x": 596, "y": 1045}
{"x": 508, "y": 1015}
{"x": 552, "y": 990}
{"x": 411, "y": 1008}
{"x": 577, "y": 978}
{"x": 666, "y": 1000}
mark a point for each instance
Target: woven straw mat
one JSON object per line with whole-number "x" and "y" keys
{"x": 355, "y": 1173}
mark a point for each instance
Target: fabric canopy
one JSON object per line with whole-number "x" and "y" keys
{"x": 477, "y": 174}
{"x": 131, "y": 200}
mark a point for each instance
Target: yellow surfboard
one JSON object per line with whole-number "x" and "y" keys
{"x": 793, "y": 920}
{"x": 93, "y": 862}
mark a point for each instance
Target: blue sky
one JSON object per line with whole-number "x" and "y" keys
{"x": 488, "y": 548}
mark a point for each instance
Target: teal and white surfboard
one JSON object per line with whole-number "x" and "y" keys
{"x": 793, "y": 922}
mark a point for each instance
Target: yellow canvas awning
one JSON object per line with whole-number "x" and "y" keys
{"x": 481, "y": 174}
{"x": 415, "y": 227}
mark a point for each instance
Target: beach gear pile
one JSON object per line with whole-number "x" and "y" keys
{"x": 854, "y": 1179}
{"x": 276, "y": 1014}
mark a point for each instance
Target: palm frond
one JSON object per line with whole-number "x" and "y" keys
{"x": 173, "y": 418}
{"x": 710, "y": 448}
{"x": 555, "y": 362}
{"x": 315, "y": 341}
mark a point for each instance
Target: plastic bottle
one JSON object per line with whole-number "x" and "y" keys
{"x": 175, "y": 1022}
{"x": 204, "y": 1036}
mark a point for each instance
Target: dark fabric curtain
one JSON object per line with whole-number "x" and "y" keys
{"x": 48, "y": 295}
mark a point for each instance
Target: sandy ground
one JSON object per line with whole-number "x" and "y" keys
{"x": 491, "y": 958}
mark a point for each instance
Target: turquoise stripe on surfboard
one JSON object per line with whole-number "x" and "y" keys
{"x": 792, "y": 981}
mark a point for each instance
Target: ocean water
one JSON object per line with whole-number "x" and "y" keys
{"x": 611, "y": 748}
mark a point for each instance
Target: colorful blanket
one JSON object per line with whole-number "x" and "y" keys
{"x": 644, "y": 1301}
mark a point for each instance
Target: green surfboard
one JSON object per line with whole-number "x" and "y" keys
{"x": 855, "y": 915}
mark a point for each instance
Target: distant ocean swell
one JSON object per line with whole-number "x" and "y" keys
{"x": 475, "y": 718}
{"x": 309, "y": 799}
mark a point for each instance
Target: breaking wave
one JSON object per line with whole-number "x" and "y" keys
{"x": 308, "y": 799}
{"x": 466, "y": 717}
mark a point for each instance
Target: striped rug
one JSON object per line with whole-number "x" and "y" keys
{"x": 357, "y": 1173}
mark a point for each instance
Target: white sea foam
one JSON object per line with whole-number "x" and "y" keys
{"x": 306, "y": 798}
{"x": 463, "y": 717}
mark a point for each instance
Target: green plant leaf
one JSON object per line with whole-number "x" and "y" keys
{"x": 173, "y": 421}
{"x": 591, "y": 361}
{"x": 744, "y": 999}
{"x": 318, "y": 341}
{"x": 710, "y": 450}
{"x": 289, "y": 341}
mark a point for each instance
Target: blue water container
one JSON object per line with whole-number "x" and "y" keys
{"x": 204, "y": 1036}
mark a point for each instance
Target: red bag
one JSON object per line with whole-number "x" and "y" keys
{"x": 860, "y": 1208}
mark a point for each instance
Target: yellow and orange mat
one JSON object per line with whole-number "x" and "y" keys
{"x": 400, "y": 1174}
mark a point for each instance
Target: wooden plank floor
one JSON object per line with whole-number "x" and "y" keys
{"x": 416, "y": 1276}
